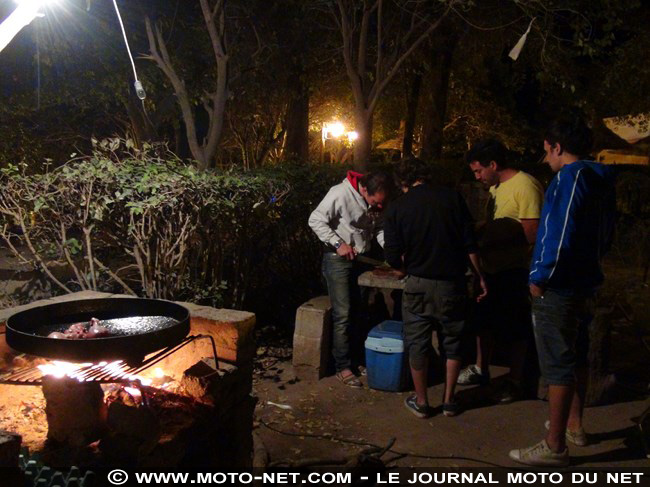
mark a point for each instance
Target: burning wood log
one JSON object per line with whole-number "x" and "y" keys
{"x": 159, "y": 429}
{"x": 76, "y": 412}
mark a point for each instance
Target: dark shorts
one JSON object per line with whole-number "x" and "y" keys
{"x": 429, "y": 305}
{"x": 506, "y": 310}
{"x": 561, "y": 325}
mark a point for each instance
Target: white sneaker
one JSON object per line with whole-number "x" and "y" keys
{"x": 578, "y": 438}
{"x": 540, "y": 455}
{"x": 472, "y": 375}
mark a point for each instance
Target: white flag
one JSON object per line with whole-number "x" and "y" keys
{"x": 515, "y": 51}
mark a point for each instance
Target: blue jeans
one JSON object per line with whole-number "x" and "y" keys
{"x": 346, "y": 298}
{"x": 561, "y": 325}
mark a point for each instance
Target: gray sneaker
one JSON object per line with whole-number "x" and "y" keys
{"x": 578, "y": 438}
{"x": 540, "y": 455}
{"x": 471, "y": 376}
{"x": 421, "y": 411}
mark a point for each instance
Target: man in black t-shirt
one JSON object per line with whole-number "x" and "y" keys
{"x": 429, "y": 234}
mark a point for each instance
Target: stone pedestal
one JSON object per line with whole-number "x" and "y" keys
{"x": 312, "y": 338}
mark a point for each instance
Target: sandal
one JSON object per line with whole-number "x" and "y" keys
{"x": 349, "y": 380}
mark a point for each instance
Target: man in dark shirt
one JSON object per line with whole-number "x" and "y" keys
{"x": 428, "y": 233}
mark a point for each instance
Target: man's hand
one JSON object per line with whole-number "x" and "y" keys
{"x": 480, "y": 281}
{"x": 347, "y": 251}
{"x": 536, "y": 291}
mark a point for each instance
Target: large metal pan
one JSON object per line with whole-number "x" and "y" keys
{"x": 138, "y": 327}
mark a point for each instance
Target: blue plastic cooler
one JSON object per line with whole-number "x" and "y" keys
{"x": 385, "y": 357}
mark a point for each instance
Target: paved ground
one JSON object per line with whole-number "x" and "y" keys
{"x": 481, "y": 436}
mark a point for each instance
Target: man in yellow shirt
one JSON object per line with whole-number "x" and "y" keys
{"x": 505, "y": 244}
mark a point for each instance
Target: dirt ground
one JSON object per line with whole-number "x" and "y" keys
{"x": 324, "y": 419}
{"x": 325, "y": 413}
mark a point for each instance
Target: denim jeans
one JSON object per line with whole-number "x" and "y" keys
{"x": 347, "y": 300}
{"x": 561, "y": 325}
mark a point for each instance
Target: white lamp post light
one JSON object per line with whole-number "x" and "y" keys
{"x": 26, "y": 11}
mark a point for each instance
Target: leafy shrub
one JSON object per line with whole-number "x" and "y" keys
{"x": 290, "y": 255}
{"x": 143, "y": 222}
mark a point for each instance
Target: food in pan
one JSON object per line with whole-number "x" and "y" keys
{"x": 82, "y": 331}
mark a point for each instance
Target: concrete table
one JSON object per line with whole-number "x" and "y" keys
{"x": 372, "y": 280}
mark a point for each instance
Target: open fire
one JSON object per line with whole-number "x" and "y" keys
{"x": 85, "y": 372}
{"x": 124, "y": 419}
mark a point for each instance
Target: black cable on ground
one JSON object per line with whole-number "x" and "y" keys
{"x": 396, "y": 452}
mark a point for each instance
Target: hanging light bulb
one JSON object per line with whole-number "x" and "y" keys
{"x": 139, "y": 89}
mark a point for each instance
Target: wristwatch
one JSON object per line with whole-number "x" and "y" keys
{"x": 338, "y": 243}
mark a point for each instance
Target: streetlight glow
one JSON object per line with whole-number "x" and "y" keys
{"x": 352, "y": 136}
{"x": 26, "y": 11}
{"x": 333, "y": 129}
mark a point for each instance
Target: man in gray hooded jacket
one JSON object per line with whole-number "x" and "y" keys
{"x": 346, "y": 221}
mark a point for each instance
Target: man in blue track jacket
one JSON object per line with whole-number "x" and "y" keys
{"x": 575, "y": 231}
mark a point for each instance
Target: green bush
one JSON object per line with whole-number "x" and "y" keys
{"x": 141, "y": 221}
{"x": 145, "y": 223}
{"x": 290, "y": 254}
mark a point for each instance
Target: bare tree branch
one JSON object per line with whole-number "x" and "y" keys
{"x": 215, "y": 22}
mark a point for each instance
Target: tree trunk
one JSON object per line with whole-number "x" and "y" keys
{"x": 412, "y": 100}
{"x": 442, "y": 49}
{"x": 214, "y": 103}
{"x": 296, "y": 144}
{"x": 217, "y": 112}
{"x": 363, "y": 144}
{"x": 142, "y": 130}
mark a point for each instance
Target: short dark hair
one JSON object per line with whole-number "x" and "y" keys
{"x": 487, "y": 150}
{"x": 410, "y": 170}
{"x": 377, "y": 181}
{"x": 572, "y": 133}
